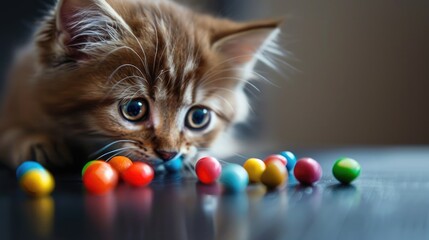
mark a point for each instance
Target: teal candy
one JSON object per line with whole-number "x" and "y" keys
{"x": 291, "y": 159}
{"x": 27, "y": 166}
{"x": 174, "y": 165}
{"x": 234, "y": 178}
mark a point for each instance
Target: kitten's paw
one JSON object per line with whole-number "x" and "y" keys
{"x": 19, "y": 146}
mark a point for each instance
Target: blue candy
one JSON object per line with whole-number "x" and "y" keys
{"x": 27, "y": 166}
{"x": 291, "y": 159}
{"x": 174, "y": 165}
{"x": 234, "y": 178}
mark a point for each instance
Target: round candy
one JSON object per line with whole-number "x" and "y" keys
{"x": 346, "y": 170}
{"x": 254, "y": 167}
{"x": 274, "y": 175}
{"x": 139, "y": 174}
{"x": 174, "y": 165}
{"x": 37, "y": 182}
{"x": 275, "y": 157}
{"x": 120, "y": 163}
{"x": 89, "y": 164}
{"x": 208, "y": 170}
{"x": 291, "y": 159}
{"x": 100, "y": 178}
{"x": 234, "y": 178}
{"x": 307, "y": 171}
{"x": 27, "y": 166}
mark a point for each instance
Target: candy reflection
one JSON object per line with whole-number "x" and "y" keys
{"x": 232, "y": 218}
{"x": 40, "y": 214}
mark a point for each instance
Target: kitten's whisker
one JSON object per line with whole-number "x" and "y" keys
{"x": 264, "y": 78}
{"x": 231, "y": 91}
{"x": 225, "y": 100}
{"x": 114, "y": 151}
{"x": 145, "y": 65}
{"x": 238, "y": 69}
{"x": 191, "y": 168}
{"x": 120, "y": 48}
{"x": 223, "y": 163}
{"x": 157, "y": 42}
{"x": 116, "y": 154}
{"x": 131, "y": 90}
{"x": 122, "y": 80}
{"x": 161, "y": 74}
{"x": 125, "y": 65}
{"x": 213, "y": 73}
{"x": 135, "y": 94}
{"x": 212, "y": 79}
{"x": 228, "y": 60}
{"x": 209, "y": 81}
{"x": 109, "y": 145}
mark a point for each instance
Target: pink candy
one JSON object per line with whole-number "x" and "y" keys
{"x": 307, "y": 171}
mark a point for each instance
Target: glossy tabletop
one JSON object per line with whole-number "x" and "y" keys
{"x": 390, "y": 200}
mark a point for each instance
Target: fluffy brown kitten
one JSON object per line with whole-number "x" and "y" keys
{"x": 151, "y": 78}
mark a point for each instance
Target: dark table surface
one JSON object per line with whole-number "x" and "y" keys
{"x": 390, "y": 200}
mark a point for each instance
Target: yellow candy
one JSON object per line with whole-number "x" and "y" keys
{"x": 37, "y": 182}
{"x": 274, "y": 175}
{"x": 254, "y": 167}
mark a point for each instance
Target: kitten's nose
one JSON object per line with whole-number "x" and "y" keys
{"x": 165, "y": 155}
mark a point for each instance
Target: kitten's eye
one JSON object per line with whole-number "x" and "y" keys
{"x": 134, "y": 110}
{"x": 198, "y": 118}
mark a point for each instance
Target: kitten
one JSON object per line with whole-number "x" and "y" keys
{"x": 151, "y": 78}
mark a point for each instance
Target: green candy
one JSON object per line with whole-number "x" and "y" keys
{"x": 346, "y": 170}
{"x": 87, "y": 165}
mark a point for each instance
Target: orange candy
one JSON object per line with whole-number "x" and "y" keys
{"x": 100, "y": 178}
{"x": 120, "y": 163}
{"x": 275, "y": 174}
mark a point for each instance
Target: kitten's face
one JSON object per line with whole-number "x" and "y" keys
{"x": 166, "y": 81}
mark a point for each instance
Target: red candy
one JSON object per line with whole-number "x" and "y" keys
{"x": 275, "y": 157}
{"x": 138, "y": 175}
{"x": 100, "y": 178}
{"x": 208, "y": 170}
{"x": 307, "y": 171}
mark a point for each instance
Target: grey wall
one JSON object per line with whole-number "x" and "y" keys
{"x": 362, "y": 68}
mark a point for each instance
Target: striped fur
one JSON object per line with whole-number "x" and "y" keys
{"x": 88, "y": 56}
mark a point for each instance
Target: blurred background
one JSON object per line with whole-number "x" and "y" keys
{"x": 355, "y": 72}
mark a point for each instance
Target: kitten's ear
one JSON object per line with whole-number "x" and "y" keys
{"x": 244, "y": 45}
{"x": 83, "y": 26}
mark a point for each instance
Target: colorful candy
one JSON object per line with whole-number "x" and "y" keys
{"x": 274, "y": 175}
{"x": 275, "y": 157}
{"x": 346, "y": 170}
{"x": 120, "y": 163}
{"x": 307, "y": 171}
{"x": 89, "y": 164}
{"x": 34, "y": 179}
{"x": 25, "y": 167}
{"x": 174, "y": 165}
{"x": 234, "y": 178}
{"x": 139, "y": 174}
{"x": 254, "y": 167}
{"x": 99, "y": 177}
{"x": 291, "y": 159}
{"x": 208, "y": 170}
{"x": 37, "y": 182}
